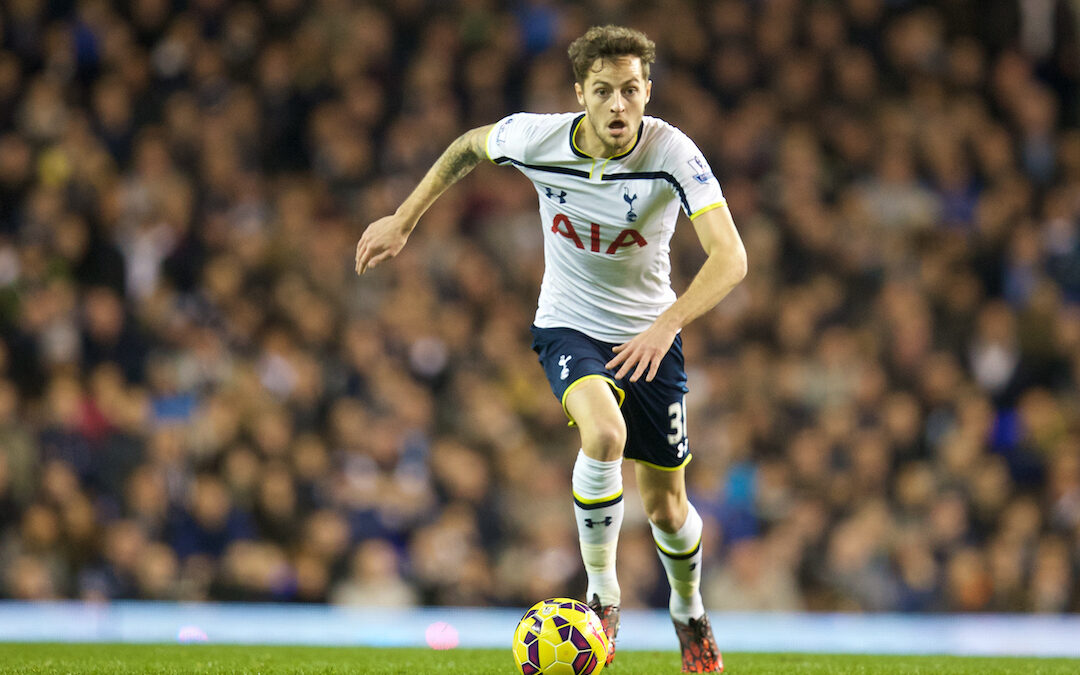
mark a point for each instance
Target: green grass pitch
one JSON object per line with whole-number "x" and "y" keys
{"x": 207, "y": 658}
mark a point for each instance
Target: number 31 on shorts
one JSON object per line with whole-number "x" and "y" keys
{"x": 677, "y": 437}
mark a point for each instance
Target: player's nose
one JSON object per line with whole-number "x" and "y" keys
{"x": 618, "y": 103}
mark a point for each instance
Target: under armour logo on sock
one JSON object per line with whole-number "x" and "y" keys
{"x": 693, "y": 566}
{"x": 589, "y": 522}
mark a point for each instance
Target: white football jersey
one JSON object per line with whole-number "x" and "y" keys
{"x": 607, "y": 221}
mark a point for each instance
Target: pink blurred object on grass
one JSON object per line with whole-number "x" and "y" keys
{"x": 441, "y": 635}
{"x": 191, "y": 634}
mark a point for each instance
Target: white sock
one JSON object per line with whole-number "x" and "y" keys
{"x": 598, "y": 508}
{"x": 680, "y": 552}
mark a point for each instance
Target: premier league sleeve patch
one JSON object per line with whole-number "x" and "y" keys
{"x": 700, "y": 170}
{"x": 504, "y": 128}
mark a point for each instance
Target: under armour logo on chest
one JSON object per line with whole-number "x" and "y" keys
{"x": 561, "y": 196}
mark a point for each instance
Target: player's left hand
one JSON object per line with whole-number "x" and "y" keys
{"x": 643, "y": 353}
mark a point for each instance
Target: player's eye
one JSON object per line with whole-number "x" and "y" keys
{"x": 601, "y": 92}
{"x": 631, "y": 91}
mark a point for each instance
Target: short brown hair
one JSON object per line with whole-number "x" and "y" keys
{"x": 601, "y": 42}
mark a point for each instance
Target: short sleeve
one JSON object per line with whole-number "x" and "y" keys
{"x": 508, "y": 138}
{"x": 694, "y": 178}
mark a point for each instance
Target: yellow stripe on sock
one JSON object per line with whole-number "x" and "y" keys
{"x": 598, "y": 500}
{"x": 676, "y": 555}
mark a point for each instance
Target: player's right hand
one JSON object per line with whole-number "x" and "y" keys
{"x": 381, "y": 240}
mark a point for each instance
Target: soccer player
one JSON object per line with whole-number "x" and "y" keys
{"x": 610, "y": 182}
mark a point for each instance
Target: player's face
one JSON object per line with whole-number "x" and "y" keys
{"x": 614, "y": 98}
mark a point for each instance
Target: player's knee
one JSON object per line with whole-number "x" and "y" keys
{"x": 605, "y": 441}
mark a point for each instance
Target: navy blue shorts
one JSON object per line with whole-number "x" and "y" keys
{"x": 655, "y": 412}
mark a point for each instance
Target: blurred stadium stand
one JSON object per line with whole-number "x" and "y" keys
{"x": 200, "y": 401}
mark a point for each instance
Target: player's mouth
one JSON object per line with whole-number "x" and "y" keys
{"x": 617, "y": 127}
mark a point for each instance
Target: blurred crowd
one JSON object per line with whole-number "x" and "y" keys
{"x": 199, "y": 400}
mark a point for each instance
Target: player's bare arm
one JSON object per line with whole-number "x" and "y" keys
{"x": 724, "y": 268}
{"x": 385, "y": 238}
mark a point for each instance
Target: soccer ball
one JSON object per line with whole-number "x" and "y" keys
{"x": 560, "y": 636}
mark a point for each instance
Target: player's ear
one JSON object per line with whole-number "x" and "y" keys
{"x": 580, "y": 93}
{"x": 648, "y": 90}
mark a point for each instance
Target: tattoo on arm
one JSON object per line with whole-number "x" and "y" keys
{"x": 459, "y": 159}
